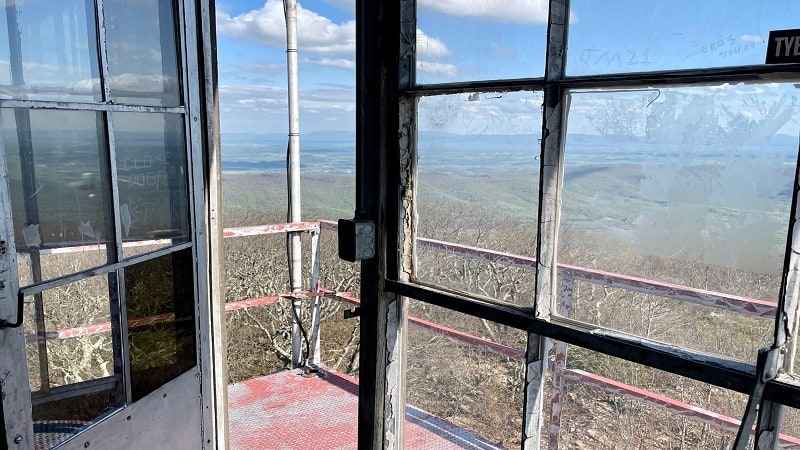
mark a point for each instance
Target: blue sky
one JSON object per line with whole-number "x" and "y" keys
{"x": 482, "y": 39}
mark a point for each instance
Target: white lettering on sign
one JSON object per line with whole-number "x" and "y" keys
{"x": 791, "y": 44}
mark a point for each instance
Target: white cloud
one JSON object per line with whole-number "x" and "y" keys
{"x": 515, "y": 11}
{"x": 342, "y": 63}
{"x": 436, "y": 68}
{"x": 266, "y": 26}
{"x": 264, "y": 108}
{"x": 334, "y": 43}
{"x": 752, "y": 38}
{"x": 263, "y": 68}
{"x": 430, "y": 47}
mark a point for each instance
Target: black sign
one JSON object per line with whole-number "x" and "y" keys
{"x": 783, "y": 47}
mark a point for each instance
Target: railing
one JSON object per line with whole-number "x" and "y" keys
{"x": 567, "y": 273}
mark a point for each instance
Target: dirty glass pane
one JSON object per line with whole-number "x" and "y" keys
{"x": 680, "y": 199}
{"x": 623, "y": 36}
{"x": 161, "y": 325}
{"x": 601, "y": 402}
{"x": 152, "y": 179}
{"x": 465, "y": 381}
{"x": 480, "y": 40}
{"x": 72, "y": 362}
{"x": 48, "y": 51}
{"x": 477, "y": 185}
{"x": 790, "y": 427}
{"x": 142, "y": 52}
{"x": 59, "y": 189}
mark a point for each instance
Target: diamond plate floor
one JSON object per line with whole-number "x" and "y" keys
{"x": 286, "y": 411}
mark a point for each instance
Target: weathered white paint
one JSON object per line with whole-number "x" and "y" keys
{"x": 15, "y": 393}
{"x": 156, "y": 421}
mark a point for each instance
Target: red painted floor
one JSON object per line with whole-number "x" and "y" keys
{"x": 288, "y": 411}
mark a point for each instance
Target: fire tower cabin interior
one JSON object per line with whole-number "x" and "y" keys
{"x": 587, "y": 243}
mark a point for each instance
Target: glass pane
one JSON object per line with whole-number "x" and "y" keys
{"x": 599, "y": 401}
{"x": 478, "y": 178}
{"x": 60, "y": 195}
{"x": 161, "y": 326}
{"x": 48, "y": 51}
{"x": 474, "y": 400}
{"x": 621, "y": 36}
{"x": 152, "y": 174}
{"x": 73, "y": 376}
{"x": 142, "y": 52}
{"x": 675, "y": 210}
{"x": 480, "y": 40}
{"x": 790, "y": 427}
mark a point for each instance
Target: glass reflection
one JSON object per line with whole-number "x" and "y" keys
{"x": 478, "y": 178}
{"x": 142, "y": 52}
{"x": 73, "y": 358}
{"x": 161, "y": 328}
{"x": 151, "y": 169}
{"x": 48, "y": 51}
{"x": 59, "y": 191}
{"x": 688, "y": 186}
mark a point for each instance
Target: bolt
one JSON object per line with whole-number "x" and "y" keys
{"x": 86, "y": 444}
{"x": 18, "y": 439}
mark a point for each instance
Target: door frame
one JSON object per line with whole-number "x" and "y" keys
{"x": 133, "y": 425}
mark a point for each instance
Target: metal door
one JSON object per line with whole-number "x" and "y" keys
{"x": 104, "y": 265}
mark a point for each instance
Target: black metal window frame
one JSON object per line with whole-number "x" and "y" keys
{"x": 387, "y": 98}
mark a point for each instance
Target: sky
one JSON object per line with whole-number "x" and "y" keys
{"x": 459, "y": 40}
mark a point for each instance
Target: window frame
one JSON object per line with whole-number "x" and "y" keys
{"x": 386, "y": 280}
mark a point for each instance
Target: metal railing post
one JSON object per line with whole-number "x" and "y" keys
{"x": 315, "y": 352}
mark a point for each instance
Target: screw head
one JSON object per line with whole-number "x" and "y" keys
{"x": 18, "y": 439}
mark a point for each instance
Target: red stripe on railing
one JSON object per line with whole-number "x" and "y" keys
{"x": 660, "y": 401}
{"x": 743, "y": 305}
{"x": 270, "y": 229}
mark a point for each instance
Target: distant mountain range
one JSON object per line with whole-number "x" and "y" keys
{"x": 334, "y": 151}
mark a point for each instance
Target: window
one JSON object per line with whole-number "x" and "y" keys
{"x": 663, "y": 186}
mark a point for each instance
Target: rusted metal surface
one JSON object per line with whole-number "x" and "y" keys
{"x": 88, "y": 330}
{"x": 744, "y": 305}
{"x": 481, "y": 254}
{"x": 270, "y": 229}
{"x": 265, "y": 413}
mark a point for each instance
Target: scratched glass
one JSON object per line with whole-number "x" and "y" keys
{"x": 465, "y": 380}
{"x": 48, "y": 51}
{"x": 152, "y": 179}
{"x": 477, "y": 184}
{"x": 142, "y": 52}
{"x": 480, "y": 40}
{"x": 623, "y": 36}
{"x": 81, "y": 384}
{"x": 675, "y": 210}
{"x": 60, "y": 194}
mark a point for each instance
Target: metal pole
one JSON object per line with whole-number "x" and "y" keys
{"x": 293, "y": 167}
